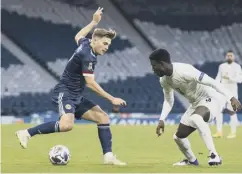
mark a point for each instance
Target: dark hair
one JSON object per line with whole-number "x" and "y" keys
{"x": 229, "y": 51}
{"x": 160, "y": 55}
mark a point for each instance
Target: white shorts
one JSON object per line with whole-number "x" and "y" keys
{"x": 212, "y": 104}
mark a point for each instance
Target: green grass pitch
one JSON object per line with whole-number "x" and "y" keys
{"x": 137, "y": 145}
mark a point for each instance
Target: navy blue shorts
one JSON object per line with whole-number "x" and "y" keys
{"x": 66, "y": 105}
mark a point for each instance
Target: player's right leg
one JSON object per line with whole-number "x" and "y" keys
{"x": 65, "y": 123}
{"x": 89, "y": 111}
{"x": 183, "y": 143}
{"x": 199, "y": 120}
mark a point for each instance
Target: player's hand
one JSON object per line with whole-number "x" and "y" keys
{"x": 97, "y": 16}
{"x": 118, "y": 102}
{"x": 160, "y": 128}
{"x": 235, "y": 104}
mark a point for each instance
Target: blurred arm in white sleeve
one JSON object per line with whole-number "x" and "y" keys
{"x": 219, "y": 74}
{"x": 238, "y": 77}
{"x": 168, "y": 101}
{"x": 204, "y": 79}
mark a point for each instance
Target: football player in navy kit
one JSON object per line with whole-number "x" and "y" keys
{"x": 67, "y": 94}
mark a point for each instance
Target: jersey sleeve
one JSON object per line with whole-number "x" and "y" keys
{"x": 219, "y": 74}
{"x": 168, "y": 99}
{"x": 193, "y": 74}
{"x": 88, "y": 68}
{"x": 237, "y": 78}
{"x": 82, "y": 40}
{"x": 200, "y": 77}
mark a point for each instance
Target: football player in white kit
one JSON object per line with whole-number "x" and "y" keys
{"x": 229, "y": 74}
{"x": 201, "y": 91}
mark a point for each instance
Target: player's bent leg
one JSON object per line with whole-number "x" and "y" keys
{"x": 233, "y": 124}
{"x": 65, "y": 124}
{"x": 66, "y": 110}
{"x": 183, "y": 143}
{"x": 199, "y": 121}
{"x": 97, "y": 115}
{"x": 45, "y": 128}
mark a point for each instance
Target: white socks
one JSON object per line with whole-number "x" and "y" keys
{"x": 204, "y": 131}
{"x": 108, "y": 154}
{"x": 219, "y": 122}
{"x": 233, "y": 123}
{"x": 185, "y": 147}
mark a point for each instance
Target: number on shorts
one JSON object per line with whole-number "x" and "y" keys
{"x": 208, "y": 100}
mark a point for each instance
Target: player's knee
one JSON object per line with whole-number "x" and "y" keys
{"x": 203, "y": 112}
{"x": 66, "y": 123}
{"x": 102, "y": 118}
{"x": 206, "y": 116}
{"x": 67, "y": 127}
{"x": 179, "y": 134}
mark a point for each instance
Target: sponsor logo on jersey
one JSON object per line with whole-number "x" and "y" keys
{"x": 68, "y": 106}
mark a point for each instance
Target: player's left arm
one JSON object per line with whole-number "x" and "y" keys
{"x": 88, "y": 74}
{"x": 168, "y": 102}
{"x": 204, "y": 79}
{"x": 219, "y": 74}
{"x": 167, "y": 106}
{"x": 238, "y": 75}
{"x": 84, "y": 31}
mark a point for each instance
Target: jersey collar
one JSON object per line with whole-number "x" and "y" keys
{"x": 92, "y": 53}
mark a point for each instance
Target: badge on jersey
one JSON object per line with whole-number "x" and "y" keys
{"x": 90, "y": 66}
{"x": 68, "y": 106}
{"x": 201, "y": 76}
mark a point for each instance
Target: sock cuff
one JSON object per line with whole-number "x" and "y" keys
{"x": 103, "y": 126}
{"x": 57, "y": 126}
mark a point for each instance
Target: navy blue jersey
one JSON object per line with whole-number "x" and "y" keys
{"x": 82, "y": 63}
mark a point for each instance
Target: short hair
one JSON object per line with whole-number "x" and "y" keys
{"x": 229, "y": 51}
{"x": 101, "y": 32}
{"x": 160, "y": 55}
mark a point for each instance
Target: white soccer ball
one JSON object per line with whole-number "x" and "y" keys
{"x": 59, "y": 155}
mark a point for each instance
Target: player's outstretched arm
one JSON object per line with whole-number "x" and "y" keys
{"x": 202, "y": 78}
{"x": 168, "y": 103}
{"x": 93, "y": 85}
{"x": 97, "y": 16}
{"x": 166, "y": 108}
{"x": 208, "y": 81}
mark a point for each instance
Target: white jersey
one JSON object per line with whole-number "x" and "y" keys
{"x": 192, "y": 84}
{"x": 185, "y": 80}
{"x": 229, "y": 75}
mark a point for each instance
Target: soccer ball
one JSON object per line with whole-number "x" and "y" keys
{"x": 59, "y": 155}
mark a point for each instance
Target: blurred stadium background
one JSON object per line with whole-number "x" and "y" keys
{"x": 38, "y": 40}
